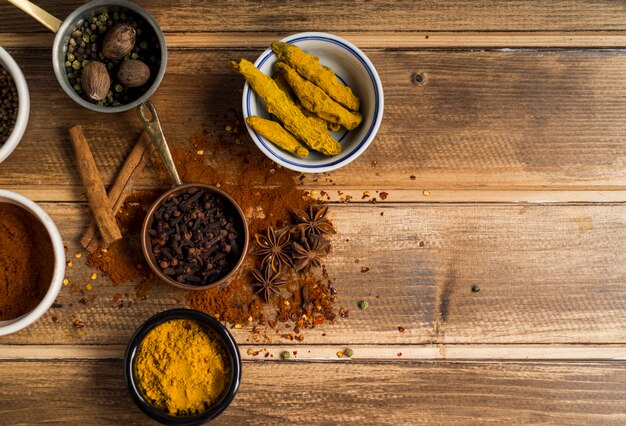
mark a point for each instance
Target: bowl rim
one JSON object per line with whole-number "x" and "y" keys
{"x": 59, "y": 45}
{"x": 56, "y": 281}
{"x": 292, "y": 162}
{"x": 23, "y": 107}
{"x": 230, "y": 346}
{"x": 149, "y": 257}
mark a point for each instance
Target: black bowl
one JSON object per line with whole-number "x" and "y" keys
{"x": 232, "y": 353}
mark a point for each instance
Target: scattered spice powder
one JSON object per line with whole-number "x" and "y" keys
{"x": 268, "y": 194}
{"x": 235, "y": 303}
{"x": 123, "y": 261}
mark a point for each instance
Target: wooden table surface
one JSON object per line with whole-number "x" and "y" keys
{"x": 510, "y": 117}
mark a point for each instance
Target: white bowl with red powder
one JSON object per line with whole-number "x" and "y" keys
{"x": 55, "y": 276}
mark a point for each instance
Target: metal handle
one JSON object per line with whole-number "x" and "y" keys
{"x": 155, "y": 131}
{"x": 39, "y": 14}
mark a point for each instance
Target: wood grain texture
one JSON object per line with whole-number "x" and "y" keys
{"x": 372, "y": 40}
{"x": 319, "y": 352}
{"x": 404, "y": 15}
{"x": 400, "y": 393}
{"x": 548, "y": 274}
{"x": 479, "y": 120}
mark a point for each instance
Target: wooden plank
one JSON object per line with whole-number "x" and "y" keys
{"x": 371, "y": 40}
{"x": 46, "y": 193}
{"x": 548, "y": 274}
{"x": 479, "y": 120}
{"x": 325, "y": 393}
{"x": 405, "y": 15}
{"x": 318, "y": 352}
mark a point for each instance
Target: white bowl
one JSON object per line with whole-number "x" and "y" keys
{"x": 23, "y": 110}
{"x": 355, "y": 70}
{"x": 11, "y": 326}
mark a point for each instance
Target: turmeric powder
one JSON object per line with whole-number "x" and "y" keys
{"x": 181, "y": 367}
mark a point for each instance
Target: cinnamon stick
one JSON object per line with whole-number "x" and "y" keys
{"x": 120, "y": 190}
{"x": 94, "y": 188}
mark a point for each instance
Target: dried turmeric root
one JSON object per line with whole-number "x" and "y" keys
{"x": 283, "y": 85}
{"x": 276, "y": 134}
{"x": 288, "y": 113}
{"x": 317, "y": 101}
{"x": 309, "y": 67}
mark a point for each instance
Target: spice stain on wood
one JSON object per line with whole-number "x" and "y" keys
{"x": 442, "y": 302}
{"x": 584, "y": 223}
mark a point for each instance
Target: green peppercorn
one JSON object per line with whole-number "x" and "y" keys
{"x": 285, "y": 355}
{"x": 118, "y": 88}
{"x": 72, "y": 42}
{"x": 93, "y": 38}
{"x": 77, "y": 87}
{"x": 363, "y": 304}
{"x": 76, "y": 65}
{"x": 85, "y": 62}
{"x": 70, "y": 57}
{"x": 348, "y": 352}
{"x": 116, "y": 16}
{"x": 134, "y": 56}
{"x": 143, "y": 45}
{"x": 68, "y": 64}
{"x": 110, "y": 66}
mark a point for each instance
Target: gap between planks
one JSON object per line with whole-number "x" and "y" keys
{"x": 421, "y": 194}
{"x": 448, "y": 352}
{"x": 372, "y": 40}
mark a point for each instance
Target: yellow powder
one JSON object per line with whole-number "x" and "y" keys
{"x": 181, "y": 367}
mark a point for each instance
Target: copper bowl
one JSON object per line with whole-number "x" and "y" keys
{"x": 230, "y": 205}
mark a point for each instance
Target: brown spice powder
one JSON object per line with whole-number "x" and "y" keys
{"x": 123, "y": 261}
{"x": 26, "y": 261}
{"x": 267, "y": 193}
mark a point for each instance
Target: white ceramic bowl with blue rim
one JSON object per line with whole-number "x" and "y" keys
{"x": 23, "y": 108}
{"x": 56, "y": 281}
{"x": 355, "y": 70}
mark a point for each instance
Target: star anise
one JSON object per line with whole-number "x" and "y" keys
{"x": 309, "y": 253}
{"x": 268, "y": 282}
{"x": 312, "y": 223}
{"x": 274, "y": 248}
